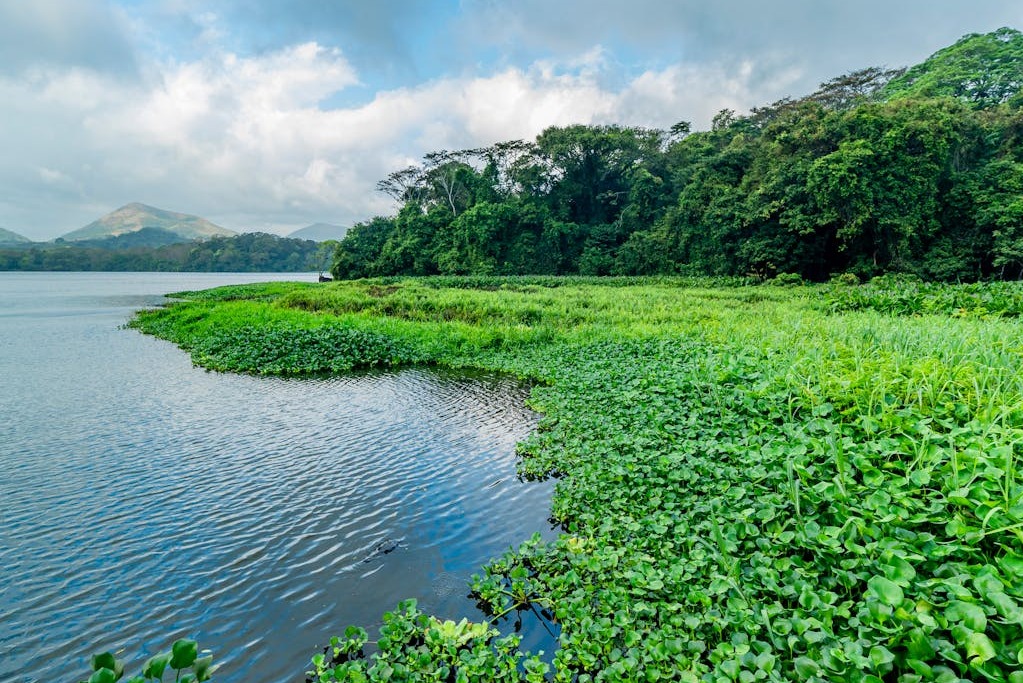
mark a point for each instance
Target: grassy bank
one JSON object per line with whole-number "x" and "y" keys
{"x": 755, "y": 483}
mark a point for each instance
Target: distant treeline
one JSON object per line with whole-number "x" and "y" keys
{"x": 917, "y": 171}
{"x": 248, "y": 252}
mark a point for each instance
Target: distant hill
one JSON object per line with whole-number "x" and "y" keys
{"x": 134, "y": 217}
{"x": 320, "y": 232}
{"x": 146, "y": 237}
{"x": 8, "y": 237}
{"x": 250, "y": 252}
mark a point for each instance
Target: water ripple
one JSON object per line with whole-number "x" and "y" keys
{"x": 146, "y": 500}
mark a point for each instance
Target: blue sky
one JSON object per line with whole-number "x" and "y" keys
{"x": 270, "y": 115}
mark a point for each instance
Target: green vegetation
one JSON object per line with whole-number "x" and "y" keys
{"x": 909, "y": 296}
{"x": 158, "y": 250}
{"x": 983, "y": 69}
{"x": 877, "y": 171}
{"x": 758, "y": 483}
{"x": 183, "y": 657}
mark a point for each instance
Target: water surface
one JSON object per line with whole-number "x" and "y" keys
{"x": 143, "y": 500}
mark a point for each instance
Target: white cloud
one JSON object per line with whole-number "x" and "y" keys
{"x": 247, "y": 142}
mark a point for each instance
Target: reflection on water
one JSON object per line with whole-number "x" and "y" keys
{"x": 145, "y": 500}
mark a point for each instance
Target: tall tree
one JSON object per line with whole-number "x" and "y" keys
{"x": 983, "y": 69}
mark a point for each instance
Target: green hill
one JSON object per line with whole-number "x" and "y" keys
{"x": 320, "y": 232}
{"x": 8, "y": 237}
{"x": 146, "y": 237}
{"x": 134, "y": 217}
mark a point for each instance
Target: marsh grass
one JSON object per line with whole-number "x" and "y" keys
{"x": 753, "y": 484}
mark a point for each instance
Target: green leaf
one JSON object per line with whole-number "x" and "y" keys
{"x": 1008, "y": 608}
{"x": 919, "y": 645}
{"x": 806, "y": 667}
{"x": 979, "y": 648}
{"x": 184, "y": 652}
{"x": 202, "y": 668}
{"x": 765, "y": 661}
{"x": 888, "y": 592}
{"x": 921, "y": 668}
{"x": 103, "y": 660}
{"x": 156, "y": 665}
{"x": 103, "y": 675}
{"x": 969, "y": 614}
{"x": 1013, "y": 564}
{"x": 899, "y": 571}
{"x": 881, "y": 656}
{"x": 986, "y": 583}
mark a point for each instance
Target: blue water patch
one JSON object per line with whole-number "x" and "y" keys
{"x": 146, "y": 500}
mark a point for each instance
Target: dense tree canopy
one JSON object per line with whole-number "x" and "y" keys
{"x": 248, "y": 252}
{"x": 879, "y": 170}
{"x": 982, "y": 69}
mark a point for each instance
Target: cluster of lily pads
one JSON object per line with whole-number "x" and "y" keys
{"x": 183, "y": 659}
{"x": 278, "y": 346}
{"x": 752, "y": 486}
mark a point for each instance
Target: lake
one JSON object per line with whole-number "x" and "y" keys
{"x": 144, "y": 500}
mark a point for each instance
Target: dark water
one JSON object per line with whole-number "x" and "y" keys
{"x": 143, "y": 500}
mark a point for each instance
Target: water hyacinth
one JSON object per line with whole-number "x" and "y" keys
{"x": 754, "y": 483}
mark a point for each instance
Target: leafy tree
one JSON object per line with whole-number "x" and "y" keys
{"x": 878, "y": 170}
{"x": 475, "y": 241}
{"x": 983, "y": 69}
{"x": 1000, "y": 207}
{"x": 357, "y": 254}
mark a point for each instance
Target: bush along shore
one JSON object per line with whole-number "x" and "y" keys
{"x": 754, "y": 483}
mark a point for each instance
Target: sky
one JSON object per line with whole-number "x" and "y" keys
{"x": 270, "y": 115}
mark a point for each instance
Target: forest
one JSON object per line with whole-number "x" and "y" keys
{"x": 916, "y": 171}
{"x": 246, "y": 253}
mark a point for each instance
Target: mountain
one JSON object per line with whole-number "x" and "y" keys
{"x": 134, "y": 217}
{"x": 320, "y": 232}
{"x": 146, "y": 237}
{"x": 8, "y": 237}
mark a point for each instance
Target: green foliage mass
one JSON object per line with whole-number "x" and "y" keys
{"x": 909, "y": 296}
{"x": 877, "y": 171}
{"x": 983, "y": 69}
{"x": 156, "y": 250}
{"x": 753, "y": 483}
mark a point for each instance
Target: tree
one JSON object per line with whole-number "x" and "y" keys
{"x": 477, "y": 240}
{"x": 1000, "y": 207}
{"x": 875, "y": 171}
{"x": 357, "y": 254}
{"x": 982, "y": 69}
{"x": 324, "y": 255}
{"x": 854, "y": 88}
